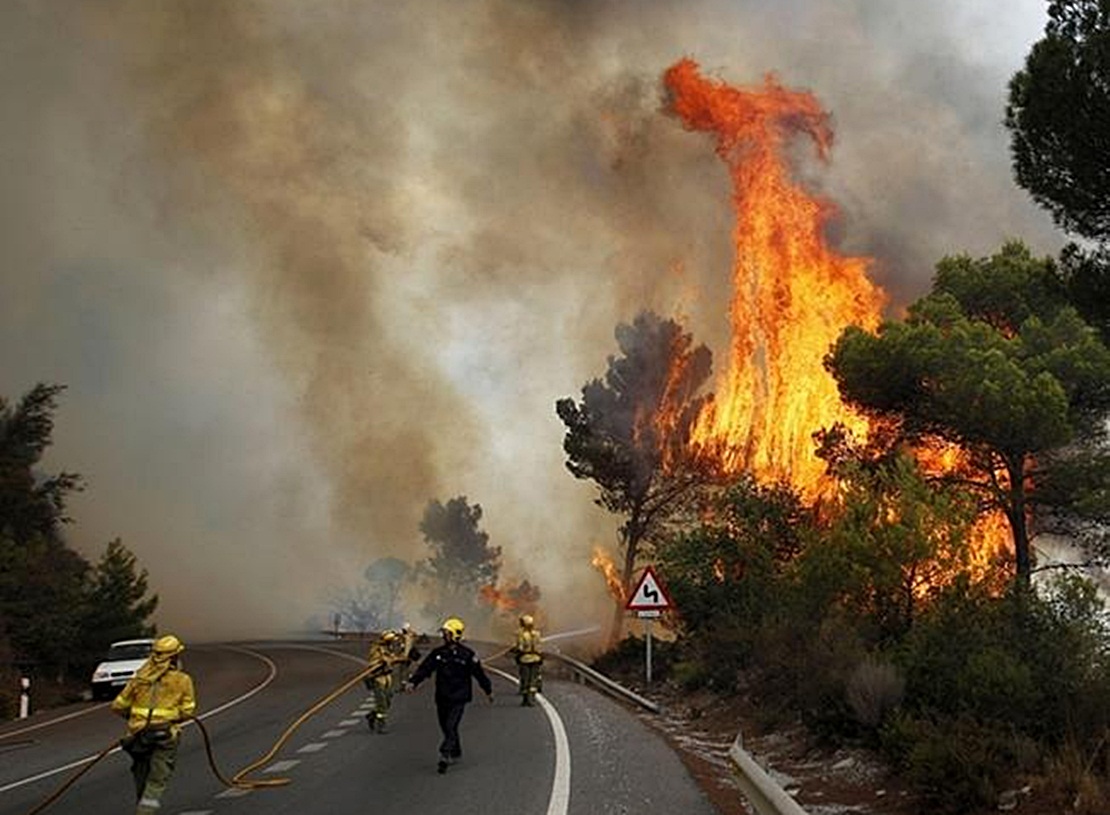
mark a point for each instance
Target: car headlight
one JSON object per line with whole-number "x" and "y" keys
{"x": 100, "y": 674}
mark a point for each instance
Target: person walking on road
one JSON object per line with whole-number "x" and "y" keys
{"x": 157, "y": 699}
{"x": 455, "y": 666}
{"x": 529, "y": 659}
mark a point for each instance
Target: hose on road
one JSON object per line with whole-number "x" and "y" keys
{"x": 239, "y": 780}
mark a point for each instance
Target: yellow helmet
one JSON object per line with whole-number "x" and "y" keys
{"x": 389, "y": 636}
{"x": 453, "y": 628}
{"x": 526, "y": 620}
{"x": 166, "y": 647}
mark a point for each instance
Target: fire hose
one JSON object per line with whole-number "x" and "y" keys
{"x": 239, "y": 780}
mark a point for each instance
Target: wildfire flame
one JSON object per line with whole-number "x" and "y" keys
{"x": 792, "y": 293}
{"x": 520, "y": 598}
{"x": 792, "y": 296}
{"x": 604, "y": 564}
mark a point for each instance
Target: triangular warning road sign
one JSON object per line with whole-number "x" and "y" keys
{"x": 649, "y": 594}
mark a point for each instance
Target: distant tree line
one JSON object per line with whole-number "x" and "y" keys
{"x": 58, "y": 611}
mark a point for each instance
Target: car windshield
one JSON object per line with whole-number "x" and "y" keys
{"x": 138, "y": 650}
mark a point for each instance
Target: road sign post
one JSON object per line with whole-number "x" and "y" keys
{"x": 649, "y": 600}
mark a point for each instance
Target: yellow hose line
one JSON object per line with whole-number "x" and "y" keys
{"x": 54, "y": 796}
{"x": 238, "y": 779}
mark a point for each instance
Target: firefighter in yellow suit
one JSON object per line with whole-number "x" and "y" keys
{"x": 529, "y": 659}
{"x": 157, "y": 699}
{"x": 385, "y": 653}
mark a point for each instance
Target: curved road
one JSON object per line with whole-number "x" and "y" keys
{"x": 579, "y": 753}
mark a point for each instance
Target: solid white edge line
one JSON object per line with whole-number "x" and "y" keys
{"x": 49, "y": 722}
{"x": 73, "y": 765}
{"x": 559, "y": 802}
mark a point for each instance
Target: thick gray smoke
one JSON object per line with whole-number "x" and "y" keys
{"x": 306, "y": 266}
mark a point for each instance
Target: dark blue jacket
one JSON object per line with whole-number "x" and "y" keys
{"x": 454, "y": 665}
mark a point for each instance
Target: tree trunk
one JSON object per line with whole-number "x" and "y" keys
{"x": 631, "y": 548}
{"x": 1015, "y": 514}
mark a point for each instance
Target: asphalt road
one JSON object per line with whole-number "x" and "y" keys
{"x": 578, "y": 753}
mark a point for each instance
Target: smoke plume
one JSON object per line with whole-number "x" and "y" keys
{"x": 306, "y": 266}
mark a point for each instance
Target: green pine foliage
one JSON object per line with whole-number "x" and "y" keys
{"x": 58, "y": 612}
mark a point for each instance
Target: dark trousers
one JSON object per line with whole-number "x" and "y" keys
{"x": 450, "y": 714}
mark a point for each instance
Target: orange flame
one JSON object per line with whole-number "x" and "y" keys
{"x": 519, "y": 598}
{"x": 604, "y": 564}
{"x": 792, "y": 293}
{"x": 792, "y": 296}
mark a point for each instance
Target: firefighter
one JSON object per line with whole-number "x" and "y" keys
{"x": 157, "y": 699}
{"x": 529, "y": 659}
{"x": 455, "y": 666}
{"x": 384, "y": 655}
{"x": 407, "y": 654}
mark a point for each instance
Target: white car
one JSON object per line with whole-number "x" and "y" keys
{"x": 123, "y": 659}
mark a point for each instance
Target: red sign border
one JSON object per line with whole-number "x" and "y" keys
{"x": 629, "y": 606}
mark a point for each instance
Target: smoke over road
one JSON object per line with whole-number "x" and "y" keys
{"x": 306, "y": 266}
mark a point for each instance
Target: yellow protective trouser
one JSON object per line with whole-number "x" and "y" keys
{"x": 383, "y": 695}
{"x": 152, "y": 769}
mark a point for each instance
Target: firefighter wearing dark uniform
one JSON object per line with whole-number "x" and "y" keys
{"x": 455, "y": 666}
{"x": 528, "y": 658}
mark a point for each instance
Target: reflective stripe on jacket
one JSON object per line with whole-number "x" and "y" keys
{"x": 157, "y": 700}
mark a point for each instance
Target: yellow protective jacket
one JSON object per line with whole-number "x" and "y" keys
{"x": 528, "y": 646}
{"x": 158, "y": 696}
{"x": 381, "y": 660}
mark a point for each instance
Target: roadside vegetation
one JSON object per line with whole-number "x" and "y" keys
{"x": 913, "y": 609}
{"x": 58, "y": 611}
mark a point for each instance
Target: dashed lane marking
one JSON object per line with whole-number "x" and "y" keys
{"x": 282, "y": 766}
{"x": 234, "y": 792}
{"x": 314, "y": 747}
{"x": 333, "y": 734}
{"x": 348, "y": 722}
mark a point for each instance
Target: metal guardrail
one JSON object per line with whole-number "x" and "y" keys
{"x": 762, "y": 791}
{"x": 584, "y": 671}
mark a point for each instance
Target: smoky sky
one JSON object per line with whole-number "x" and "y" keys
{"x": 305, "y": 266}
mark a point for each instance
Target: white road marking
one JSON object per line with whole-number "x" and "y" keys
{"x": 49, "y": 722}
{"x": 233, "y": 792}
{"x": 81, "y": 762}
{"x": 282, "y": 766}
{"x": 559, "y": 801}
{"x": 348, "y": 722}
{"x": 313, "y": 747}
{"x": 333, "y": 734}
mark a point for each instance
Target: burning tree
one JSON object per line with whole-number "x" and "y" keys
{"x": 630, "y": 433}
{"x": 521, "y": 598}
{"x": 994, "y": 362}
{"x": 792, "y": 292}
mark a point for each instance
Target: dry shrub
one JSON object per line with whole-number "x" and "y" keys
{"x": 1079, "y": 779}
{"x": 874, "y": 689}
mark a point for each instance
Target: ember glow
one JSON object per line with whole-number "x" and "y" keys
{"x": 792, "y": 293}
{"x": 604, "y": 564}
